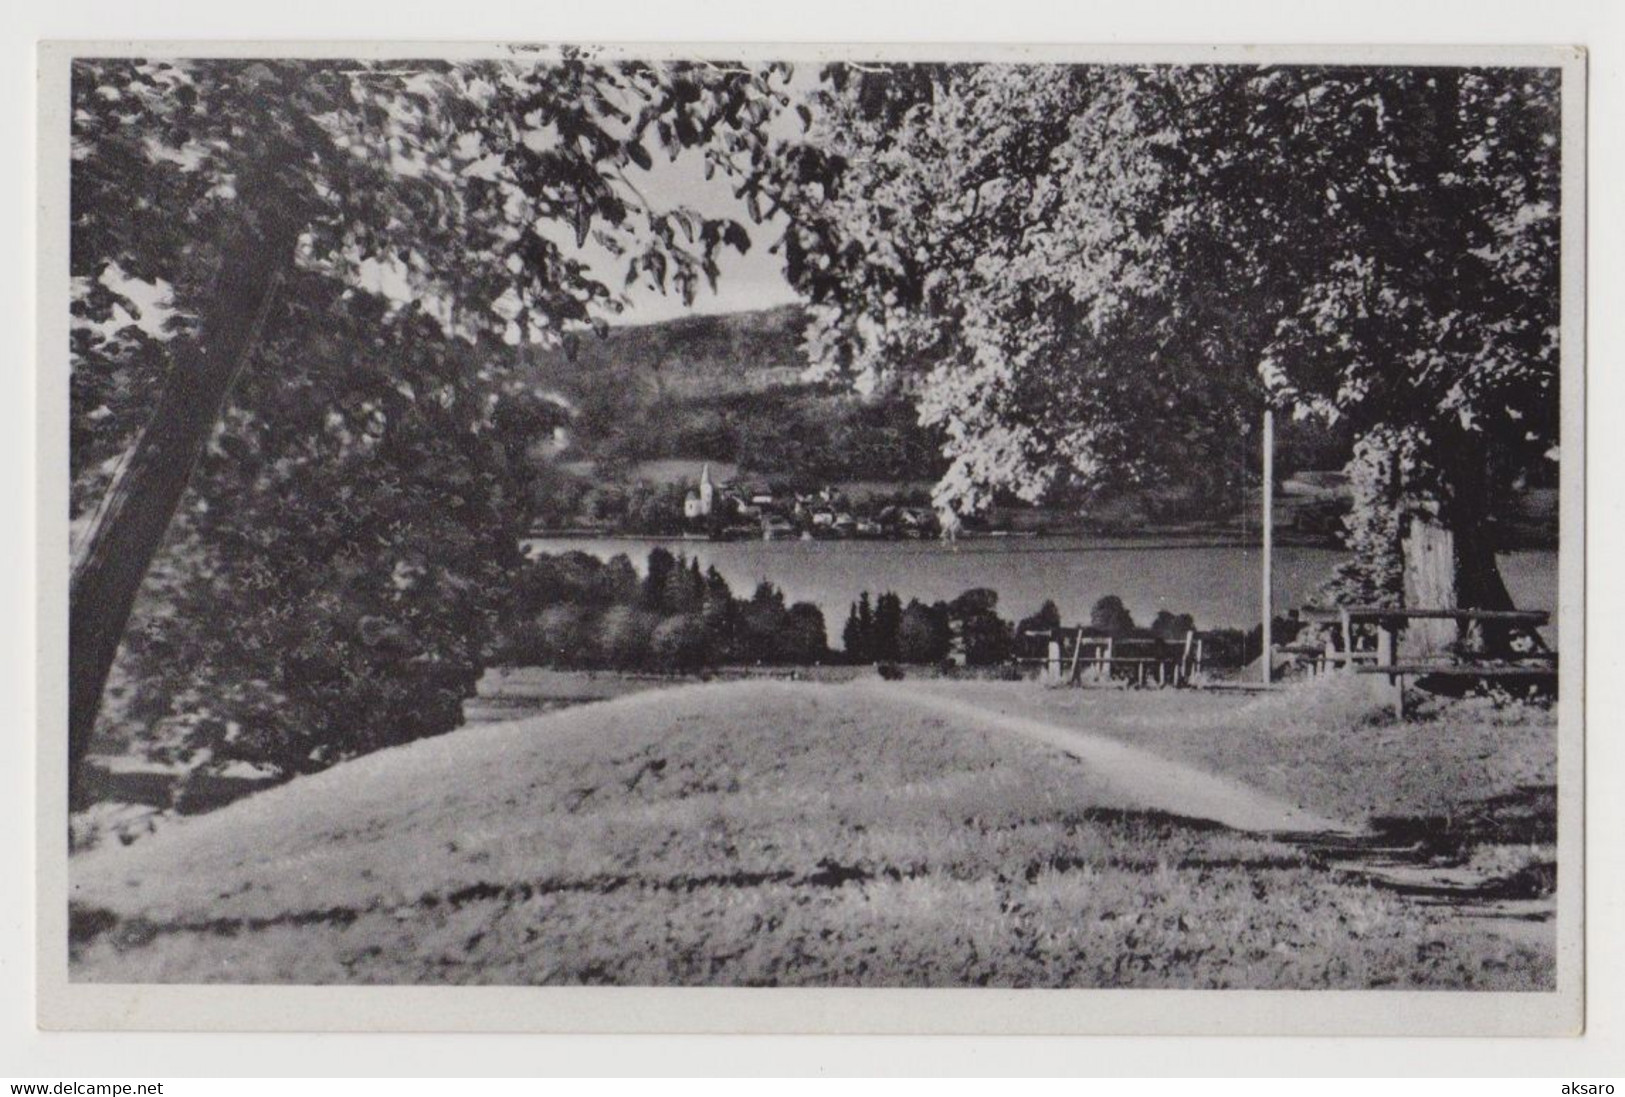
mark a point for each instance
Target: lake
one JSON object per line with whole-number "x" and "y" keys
{"x": 1216, "y": 585}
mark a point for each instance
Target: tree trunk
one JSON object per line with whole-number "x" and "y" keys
{"x": 129, "y": 526}
{"x": 1451, "y": 568}
{"x": 1430, "y": 583}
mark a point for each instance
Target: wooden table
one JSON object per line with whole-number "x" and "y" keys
{"x": 1390, "y": 621}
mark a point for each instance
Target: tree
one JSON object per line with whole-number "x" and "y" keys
{"x": 662, "y": 570}
{"x": 624, "y": 637}
{"x": 1426, "y": 308}
{"x": 653, "y": 508}
{"x": 619, "y": 581}
{"x": 721, "y": 616}
{"x": 923, "y": 635}
{"x": 805, "y": 641}
{"x": 1172, "y": 626}
{"x": 858, "y": 637}
{"x": 245, "y": 190}
{"x": 563, "y": 635}
{"x": 680, "y": 642}
{"x": 853, "y": 639}
{"x": 1102, "y": 272}
{"x": 945, "y": 220}
{"x": 984, "y": 635}
{"x": 574, "y": 576}
{"x": 1110, "y": 615}
{"x": 334, "y": 584}
{"x": 974, "y": 601}
{"x": 763, "y": 625}
{"x": 888, "y": 619}
{"x": 1047, "y": 619}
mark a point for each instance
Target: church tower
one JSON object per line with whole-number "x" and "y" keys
{"x": 708, "y": 490}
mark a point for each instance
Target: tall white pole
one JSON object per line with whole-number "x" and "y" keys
{"x": 1266, "y": 655}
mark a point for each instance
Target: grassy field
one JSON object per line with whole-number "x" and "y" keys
{"x": 1323, "y": 744}
{"x": 759, "y": 833}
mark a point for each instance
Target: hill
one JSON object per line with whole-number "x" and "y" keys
{"x": 729, "y": 389}
{"x": 733, "y": 389}
{"x": 655, "y": 401}
{"x": 692, "y": 357}
{"x": 756, "y": 834}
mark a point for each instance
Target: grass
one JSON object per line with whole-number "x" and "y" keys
{"x": 752, "y": 833}
{"x": 1324, "y": 745}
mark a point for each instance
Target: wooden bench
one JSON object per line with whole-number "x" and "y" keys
{"x": 1162, "y": 666}
{"x": 1535, "y": 665}
{"x": 1145, "y": 660}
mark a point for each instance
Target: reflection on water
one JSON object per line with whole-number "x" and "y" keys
{"x": 1217, "y": 585}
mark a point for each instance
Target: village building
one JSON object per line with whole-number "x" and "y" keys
{"x": 701, "y": 502}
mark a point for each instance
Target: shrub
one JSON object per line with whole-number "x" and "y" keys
{"x": 624, "y": 637}
{"x": 680, "y": 642}
{"x": 563, "y": 635}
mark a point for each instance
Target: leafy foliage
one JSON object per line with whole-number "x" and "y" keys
{"x": 924, "y": 634}
{"x": 332, "y": 584}
{"x": 1111, "y": 616}
{"x": 572, "y": 610}
{"x": 1097, "y": 274}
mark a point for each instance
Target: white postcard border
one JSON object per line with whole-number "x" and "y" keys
{"x": 63, "y": 1004}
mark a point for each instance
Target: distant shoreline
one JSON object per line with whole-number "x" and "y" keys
{"x": 1111, "y": 542}
{"x": 1104, "y": 542}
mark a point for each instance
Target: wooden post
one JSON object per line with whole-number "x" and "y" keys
{"x": 1266, "y": 655}
{"x": 1385, "y": 645}
{"x": 1184, "y": 675}
{"x": 1385, "y": 658}
{"x": 1052, "y": 667}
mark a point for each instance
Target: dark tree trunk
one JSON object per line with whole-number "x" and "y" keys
{"x": 129, "y": 526}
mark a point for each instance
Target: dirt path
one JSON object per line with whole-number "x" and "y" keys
{"x": 1160, "y": 783}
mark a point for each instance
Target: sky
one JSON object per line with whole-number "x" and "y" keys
{"x": 754, "y": 280}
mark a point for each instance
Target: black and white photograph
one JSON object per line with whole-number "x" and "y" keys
{"x": 987, "y": 520}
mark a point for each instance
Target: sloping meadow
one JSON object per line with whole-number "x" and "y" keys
{"x": 747, "y": 834}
